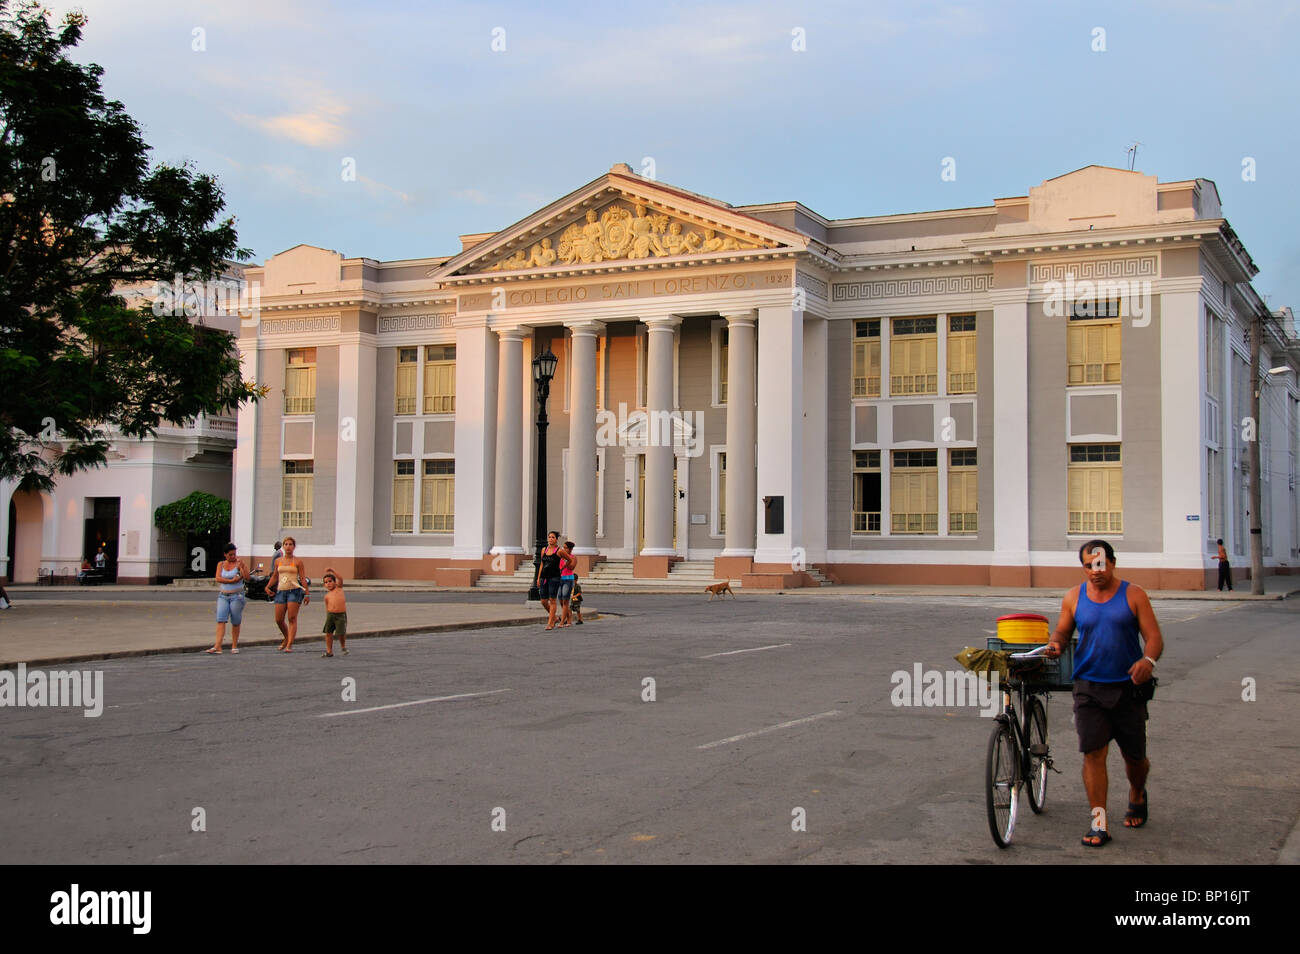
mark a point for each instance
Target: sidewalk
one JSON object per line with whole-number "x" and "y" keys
{"x": 1275, "y": 588}
{"x": 50, "y": 631}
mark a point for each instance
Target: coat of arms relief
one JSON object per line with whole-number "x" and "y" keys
{"x": 618, "y": 233}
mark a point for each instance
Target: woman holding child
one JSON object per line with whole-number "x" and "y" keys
{"x": 548, "y": 575}
{"x": 289, "y": 582}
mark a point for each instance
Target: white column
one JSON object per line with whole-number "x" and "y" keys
{"x": 780, "y": 408}
{"x": 7, "y": 488}
{"x": 741, "y": 436}
{"x": 510, "y": 442}
{"x": 245, "y": 484}
{"x": 662, "y": 333}
{"x": 581, "y": 490}
{"x": 1010, "y": 428}
{"x": 815, "y": 439}
{"x": 354, "y": 506}
{"x": 476, "y": 425}
{"x": 1182, "y": 444}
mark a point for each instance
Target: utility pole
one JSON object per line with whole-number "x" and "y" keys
{"x": 1256, "y": 490}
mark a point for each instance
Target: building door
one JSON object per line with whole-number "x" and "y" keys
{"x": 640, "y": 503}
{"x": 101, "y": 532}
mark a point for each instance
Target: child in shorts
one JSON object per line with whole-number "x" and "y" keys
{"x": 336, "y": 614}
{"x": 575, "y": 603}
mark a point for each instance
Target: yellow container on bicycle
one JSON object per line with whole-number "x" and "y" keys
{"x": 1023, "y": 628}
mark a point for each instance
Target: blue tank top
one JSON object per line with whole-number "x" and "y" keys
{"x": 231, "y": 574}
{"x": 1108, "y": 637}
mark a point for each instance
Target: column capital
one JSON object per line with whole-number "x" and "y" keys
{"x": 741, "y": 318}
{"x": 662, "y": 322}
{"x": 585, "y": 326}
{"x": 511, "y": 332}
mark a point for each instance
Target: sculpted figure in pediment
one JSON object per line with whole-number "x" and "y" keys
{"x": 542, "y": 255}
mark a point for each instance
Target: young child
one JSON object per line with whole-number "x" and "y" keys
{"x": 575, "y": 603}
{"x": 336, "y": 614}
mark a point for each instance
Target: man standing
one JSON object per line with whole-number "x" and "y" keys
{"x": 1225, "y": 571}
{"x": 1111, "y": 670}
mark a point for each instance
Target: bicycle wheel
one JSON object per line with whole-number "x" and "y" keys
{"x": 1002, "y": 783}
{"x": 1038, "y": 755}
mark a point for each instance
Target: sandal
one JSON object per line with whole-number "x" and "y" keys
{"x": 213, "y": 652}
{"x": 1137, "y": 812}
{"x": 1096, "y": 837}
{"x": 234, "y": 652}
{"x": 326, "y": 655}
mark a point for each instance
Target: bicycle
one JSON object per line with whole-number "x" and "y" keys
{"x": 1018, "y": 750}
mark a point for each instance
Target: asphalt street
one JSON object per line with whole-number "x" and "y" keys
{"x": 515, "y": 745}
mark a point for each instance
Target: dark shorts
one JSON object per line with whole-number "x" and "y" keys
{"x": 336, "y": 623}
{"x": 1110, "y": 710}
{"x": 550, "y": 588}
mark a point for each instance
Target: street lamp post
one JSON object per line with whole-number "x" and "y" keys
{"x": 543, "y": 372}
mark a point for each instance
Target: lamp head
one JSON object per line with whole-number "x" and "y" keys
{"x": 544, "y": 367}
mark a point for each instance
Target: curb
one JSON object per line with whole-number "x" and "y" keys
{"x": 273, "y": 641}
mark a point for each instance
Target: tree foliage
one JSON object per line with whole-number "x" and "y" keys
{"x": 83, "y": 214}
{"x": 200, "y": 514}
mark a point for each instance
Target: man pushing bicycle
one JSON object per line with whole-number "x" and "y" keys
{"x": 1112, "y": 680}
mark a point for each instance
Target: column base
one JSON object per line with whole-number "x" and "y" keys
{"x": 652, "y": 567}
{"x": 456, "y": 576}
{"x": 732, "y": 567}
{"x": 586, "y": 562}
{"x": 1010, "y": 576}
{"x": 503, "y": 562}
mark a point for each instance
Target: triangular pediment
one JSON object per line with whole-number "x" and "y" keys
{"x": 621, "y": 219}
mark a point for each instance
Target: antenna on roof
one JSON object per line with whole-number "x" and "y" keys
{"x": 1132, "y": 155}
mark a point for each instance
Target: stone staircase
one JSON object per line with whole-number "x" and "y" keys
{"x": 616, "y": 575}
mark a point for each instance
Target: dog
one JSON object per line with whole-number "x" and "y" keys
{"x": 718, "y": 590}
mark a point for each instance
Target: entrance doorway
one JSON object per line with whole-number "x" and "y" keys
{"x": 101, "y": 532}
{"x": 640, "y": 503}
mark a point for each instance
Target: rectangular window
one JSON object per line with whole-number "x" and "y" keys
{"x": 1093, "y": 342}
{"x": 408, "y": 365}
{"x": 440, "y": 379}
{"x": 914, "y": 492}
{"x": 1214, "y": 357}
{"x": 722, "y": 492}
{"x": 403, "y": 496}
{"x": 961, "y": 354}
{"x": 866, "y": 358}
{"x": 300, "y": 381}
{"x": 722, "y": 366}
{"x": 438, "y": 496}
{"x": 914, "y": 356}
{"x": 600, "y": 371}
{"x": 963, "y": 492}
{"x": 1096, "y": 497}
{"x": 296, "y": 486}
{"x": 866, "y": 491}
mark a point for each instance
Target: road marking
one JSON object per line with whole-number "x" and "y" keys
{"x": 756, "y": 649}
{"x": 770, "y": 728}
{"x": 414, "y": 702}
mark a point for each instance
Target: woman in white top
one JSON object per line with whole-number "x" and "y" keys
{"x": 231, "y": 574}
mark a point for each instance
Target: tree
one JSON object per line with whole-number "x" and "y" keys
{"x": 83, "y": 215}
{"x": 199, "y": 514}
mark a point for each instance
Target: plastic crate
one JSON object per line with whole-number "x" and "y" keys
{"x": 1055, "y": 675}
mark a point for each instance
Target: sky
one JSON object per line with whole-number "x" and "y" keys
{"x": 465, "y": 118}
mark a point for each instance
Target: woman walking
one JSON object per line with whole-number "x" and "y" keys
{"x": 568, "y": 576}
{"x": 231, "y": 575}
{"x": 288, "y": 579}
{"x": 548, "y": 575}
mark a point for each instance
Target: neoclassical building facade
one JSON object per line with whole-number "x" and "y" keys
{"x": 963, "y": 395}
